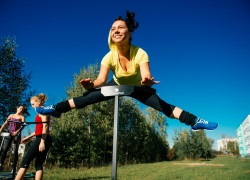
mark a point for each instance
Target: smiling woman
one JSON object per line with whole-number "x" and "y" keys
{"x": 199, "y": 50}
{"x": 130, "y": 66}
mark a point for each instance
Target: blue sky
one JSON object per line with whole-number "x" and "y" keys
{"x": 199, "y": 49}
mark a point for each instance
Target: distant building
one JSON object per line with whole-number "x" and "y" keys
{"x": 243, "y": 134}
{"x": 222, "y": 143}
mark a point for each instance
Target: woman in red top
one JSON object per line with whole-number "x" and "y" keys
{"x": 40, "y": 147}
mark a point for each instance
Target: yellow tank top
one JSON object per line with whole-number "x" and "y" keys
{"x": 133, "y": 75}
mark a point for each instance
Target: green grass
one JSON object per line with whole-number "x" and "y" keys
{"x": 219, "y": 168}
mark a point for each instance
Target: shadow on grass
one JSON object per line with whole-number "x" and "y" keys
{"x": 206, "y": 160}
{"x": 89, "y": 178}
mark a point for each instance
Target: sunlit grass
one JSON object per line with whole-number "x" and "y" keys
{"x": 218, "y": 168}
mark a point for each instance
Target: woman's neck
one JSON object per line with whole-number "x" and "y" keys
{"x": 17, "y": 114}
{"x": 124, "y": 50}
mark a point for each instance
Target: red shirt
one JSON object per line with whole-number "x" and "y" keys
{"x": 39, "y": 127}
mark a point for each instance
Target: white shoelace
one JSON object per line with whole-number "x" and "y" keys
{"x": 202, "y": 121}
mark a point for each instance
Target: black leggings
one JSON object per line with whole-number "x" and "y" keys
{"x": 144, "y": 94}
{"x": 33, "y": 152}
{"x": 6, "y": 146}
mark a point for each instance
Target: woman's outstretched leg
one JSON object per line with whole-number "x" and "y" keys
{"x": 190, "y": 119}
{"x": 89, "y": 97}
{"x": 149, "y": 97}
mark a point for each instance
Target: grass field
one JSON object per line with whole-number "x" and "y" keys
{"x": 220, "y": 168}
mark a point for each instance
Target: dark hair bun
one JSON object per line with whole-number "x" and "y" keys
{"x": 130, "y": 21}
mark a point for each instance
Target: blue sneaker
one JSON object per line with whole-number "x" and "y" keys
{"x": 203, "y": 124}
{"x": 48, "y": 110}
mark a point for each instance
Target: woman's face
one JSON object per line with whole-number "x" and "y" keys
{"x": 34, "y": 103}
{"x": 120, "y": 33}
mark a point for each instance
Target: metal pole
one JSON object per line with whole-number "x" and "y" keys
{"x": 115, "y": 137}
{"x": 2, "y": 143}
{"x": 116, "y": 91}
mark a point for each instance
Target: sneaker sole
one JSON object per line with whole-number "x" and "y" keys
{"x": 205, "y": 129}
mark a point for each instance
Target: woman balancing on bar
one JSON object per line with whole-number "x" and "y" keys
{"x": 40, "y": 147}
{"x": 130, "y": 66}
{"x": 14, "y": 123}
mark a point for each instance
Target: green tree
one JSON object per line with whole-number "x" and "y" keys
{"x": 181, "y": 144}
{"x": 233, "y": 147}
{"x": 14, "y": 82}
{"x": 157, "y": 121}
{"x": 192, "y": 145}
{"x": 139, "y": 140}
{"x": 200, "y": 145}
